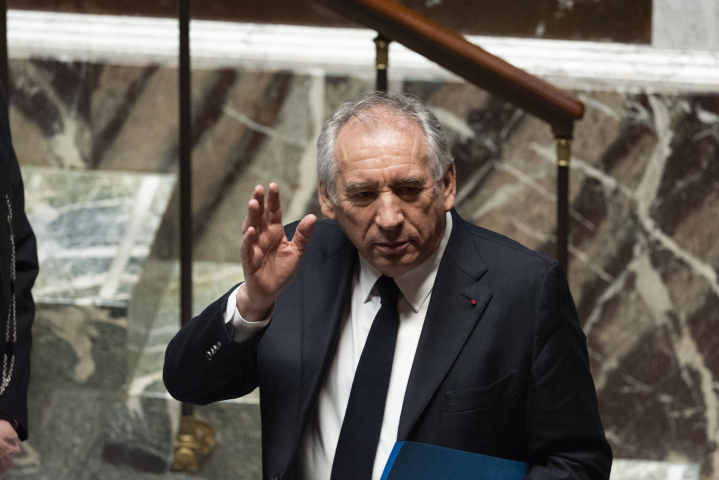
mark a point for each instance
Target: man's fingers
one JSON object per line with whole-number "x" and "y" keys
{"x": 252, "y": 219}
{"x": 274, "y": 212}
{"x": 259, "y": 195}
{"x": 247, "y": 249}
{"x": 6, "y": 464}
{"x": 304, "y": 232}
{"x": 14, "y": 450}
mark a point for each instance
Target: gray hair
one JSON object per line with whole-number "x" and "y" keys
{"x": 403, "y": 106}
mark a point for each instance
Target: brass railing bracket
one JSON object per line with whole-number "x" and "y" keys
{"x": 564, "y": 151}
{"x": 382, "y": 59}
{"x": 195, "y": 440}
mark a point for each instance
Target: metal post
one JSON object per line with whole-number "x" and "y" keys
{"x": 185, "y": 166}
{"x": 564, "y": 154}
{"x": 195, "y": 439}
{"x": 4, "y": 74}
{"x": 381, "y": 62}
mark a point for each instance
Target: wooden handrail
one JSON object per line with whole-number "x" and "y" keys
{"x": 450, "y": 50}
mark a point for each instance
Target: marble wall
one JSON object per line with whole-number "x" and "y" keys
{"x": 644, "y": 202}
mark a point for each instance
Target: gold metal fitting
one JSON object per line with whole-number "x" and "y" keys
{"x": 564, "y": 151}
{"x": 382, "y": 52}
{"x": 194, "y": 442}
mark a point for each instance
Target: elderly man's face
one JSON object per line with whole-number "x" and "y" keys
{"x": 387, "y": 203}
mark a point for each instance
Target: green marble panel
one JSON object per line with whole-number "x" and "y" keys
{"x": 79, "y": 344}
{"x": 94, "y": 231}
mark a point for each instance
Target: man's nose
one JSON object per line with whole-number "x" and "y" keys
{"x": 389, "y": 212}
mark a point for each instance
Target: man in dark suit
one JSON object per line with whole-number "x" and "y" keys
{"x": 18, "y": 269}
{"x": 394, "y": 320}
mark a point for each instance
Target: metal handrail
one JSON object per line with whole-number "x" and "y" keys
{"x": 452, "y": 51}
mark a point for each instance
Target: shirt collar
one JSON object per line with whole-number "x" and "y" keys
{"x": 415, "y": 285}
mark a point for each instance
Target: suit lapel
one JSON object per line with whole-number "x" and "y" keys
{"x": 451, "y": 317}
{"x": 326, "y": 292}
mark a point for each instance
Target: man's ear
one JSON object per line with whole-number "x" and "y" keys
{"x": 326, "y": 204}
{"x": 449, "y": 182}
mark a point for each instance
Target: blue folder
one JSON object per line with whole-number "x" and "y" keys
{"x": 419, "y": 461}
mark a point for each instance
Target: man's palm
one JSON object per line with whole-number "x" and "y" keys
{"x": 269, "y": 259}
{"x": 273, "y": 261}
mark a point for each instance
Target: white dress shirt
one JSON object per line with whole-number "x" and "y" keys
{"x": 317, "y": 449}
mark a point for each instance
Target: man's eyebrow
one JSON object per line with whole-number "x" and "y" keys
{"x": 409, "y": 182}
{"x": 355, "y": 187}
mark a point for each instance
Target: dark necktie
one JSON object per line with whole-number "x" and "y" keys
{"x": 359, "y": 436}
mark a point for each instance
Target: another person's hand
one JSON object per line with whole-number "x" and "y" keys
{"x": 9, "y": 447}
{"x": 269, "y": 259}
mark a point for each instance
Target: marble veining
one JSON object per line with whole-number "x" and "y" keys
{"x": 94, "y": 230}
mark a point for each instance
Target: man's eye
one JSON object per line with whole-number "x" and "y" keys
{"x": 408, "y": 190}
{"x": 362, "y": 195}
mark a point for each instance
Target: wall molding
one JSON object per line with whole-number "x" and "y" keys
{"x": 342, "y": 51}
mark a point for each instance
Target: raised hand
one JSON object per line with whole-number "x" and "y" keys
{"x": 269, "y": 260}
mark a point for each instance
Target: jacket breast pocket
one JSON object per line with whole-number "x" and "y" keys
{"x": 476, "y": 398}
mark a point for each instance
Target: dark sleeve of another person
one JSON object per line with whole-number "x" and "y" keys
{"x": 13, "y": 401}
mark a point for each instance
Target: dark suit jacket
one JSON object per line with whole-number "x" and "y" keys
{"x": 14, "y": 400}
{"x": 506, "y": 376}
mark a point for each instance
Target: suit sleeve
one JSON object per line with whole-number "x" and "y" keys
{"x": 14, "y": 400}
{"x": 202, "y": 362}
{"x": 565, "y": 434}
{"x": 194, "y": 374}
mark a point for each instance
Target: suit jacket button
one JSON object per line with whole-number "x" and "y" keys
{"x": 209, "y": 355}
{"x": 218, "y": 345}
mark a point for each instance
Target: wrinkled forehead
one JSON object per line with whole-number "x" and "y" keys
{"x": 384, "y": 133}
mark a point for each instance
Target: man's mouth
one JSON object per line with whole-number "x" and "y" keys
{"x": 391, "y": 247}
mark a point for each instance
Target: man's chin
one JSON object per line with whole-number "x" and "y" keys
{"x": 394, "y": 265}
